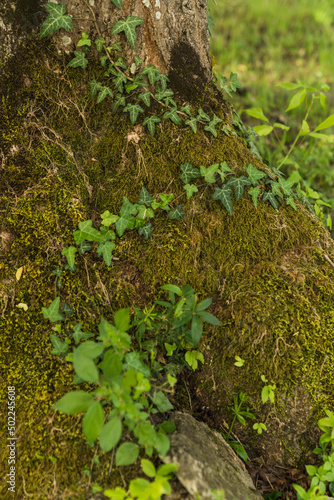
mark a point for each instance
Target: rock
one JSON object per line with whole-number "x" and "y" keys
{"x": 206, "y": 462}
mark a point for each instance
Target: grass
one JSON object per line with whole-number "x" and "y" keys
{"x": 276, "y": 41}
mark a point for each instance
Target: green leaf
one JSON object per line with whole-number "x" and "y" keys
{"x": 53, "y": 312}
{"x": 122, "y": 319}
{"x": 234, "y": 83}
{"x": 116, "y": 494}
{"x": 239, "y": 184}
{"x": 176, "y": 213}
{"x": 99, "y": 42}
{"x": 104, "y": 92}
{"x": 92, "y": 422}
{"x": 129, "y": 27}
{"x": 118, "y": 3}
{"x": 305, "y": 128}
{"x": 146, "y": 98}
{"x": 270, "y": 197}
{"x": 196, "y": 330}
{"x": 84, "y": 41}
{"x": 186, "y": 109}
{"x": 74, "y": 402}
{"x": 105, "y": 248}
{"x": 162, "y": 402}
{"x": 211, "y": 128}
{"x": 257, "y": 113}
{"x": 322, "y": 137}
{"x": 329, "y": 122}
{"x": 119, "y": 101}
{"x": 209, "y": 318}
{"x": 163, "y": 79}
{"x": 119, "y": 81}
{"x": 124, "y": 222}
{"x": 202, "y": 116}
{"x": 224, "y": 195}
{"x": 79, "y": 60}
{"x": 173, "y": 116}
{"x": 191, "y": 189}
{"x": 127, "y": 454}
{"x": 281, "y": 126}
{"x": 145, "y": 231}
{"x": 87, "y": 232}
{"x": 152, "y": 73}
{"x": 203, "y": 305}
{"x": 150, "y": 123}
{"x": 133, "y": 362}
{"x": 134, "y": 110}
{"x": 148, "y": 468}
{"x": 111, "y": 365}
{"x": 164, "y": 94}
{"x": 193, "y": 124}
{"x": 254, "y": 174}
{"x": 189, "y": 172}
{"x": 56, "y": 20}
{"x": 79, "y": 335}
{"x": 139, "y": 488}
{"x": 59, "y": 347}
{"x": 254, "y": 192}
{"x": 94, "y": 87}
{"x": 108, "y": 218}
{"x": 263, "y": 130}
{"x": 289, "y": 86}
{"x": 297, "y": 100}
{"x": 85, "y": 367}
{"x": 172, "y": 288}
{"x": 145, "y": 197}
{"x": 110, "y": 434}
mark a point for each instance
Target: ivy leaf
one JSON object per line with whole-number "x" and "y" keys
{"x": 118, "y": 3}
{"x": 79, "y": 60}
{"x": 286, "y": 185}
{"x": 193, "y": 124}
{"x": 103, "y": 93}
{"x": 59, "y": 347}
{"x": 202, "y": 116}
{"x": 133, "y": 362}
{"x": 105, "y": 248}
{"x": 176, "y": 213}
{"x": 56, "y": 20}
{"x": 190, "y": 188}
{"x": 85, "y": 247}
{"x": 53, "y": 312}
{"x": 173, "y": 116}
{"x": 254, "y": 174}
{"x": 151, "y": 72}
{"x": 134, "y": 110}
{"x": 164, "y": 94}
{"x": 224, "y": 195}
{"x": 99, "y": 44}
{"x": 120, "y": 63}
{"x": 186, "y": 109}
{"x": 162, "y": 402}
{"x": 234, "y": 84}
{"x": 94, "y": 87}
{"x": 120, "y": 101}
{"x": 87, "y": 232}
{"x": 145, "y": 97}
{"x": 239, "y": 184}
{"x": 126, "y": 221}
{"x": 84, "y": 41}
{"x": 70, "y": 255}
{"x": 145, "y": 231}
{"x": 150, "y": 122}
{"x": 108, "y": 218}
{"x": 215, "y": 120}
{"x": 270, "y": 197}
{"x": 129, "y": 27}
{"x": 138, "y": 61}
{"x": 119, "y": 81}
{"x": 276, "y": 189}
{"x": 145, "y": 198}
{"x": 290, "y": 201}
{"x": 163, "y": 79}
{"x": 254, "y": 192}
{"x": 144, "y": 212}
{"x": 211, "y": 128}
{"x": 209, "y": 173}
{"x": 189, "y": 172}
{"x": 79, "y": 335}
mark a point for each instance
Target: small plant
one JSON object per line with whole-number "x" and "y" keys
{"x": 309, "y": 95}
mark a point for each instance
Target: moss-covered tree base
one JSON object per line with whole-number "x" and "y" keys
{"x": 64, "y": 160}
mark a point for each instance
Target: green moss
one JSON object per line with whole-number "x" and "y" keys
{"x": 273, "y": 290}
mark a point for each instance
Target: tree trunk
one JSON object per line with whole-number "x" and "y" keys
{"x": 66, "y": 159}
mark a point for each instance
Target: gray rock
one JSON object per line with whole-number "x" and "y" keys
{"x": 206, "y": 462}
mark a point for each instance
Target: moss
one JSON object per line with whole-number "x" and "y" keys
{"x": 273, "y": 290}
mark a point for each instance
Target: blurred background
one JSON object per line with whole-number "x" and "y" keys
{"x": 271, "y": 42}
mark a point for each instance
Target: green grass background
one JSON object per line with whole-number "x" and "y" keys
{"x": 268, "y": 42}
